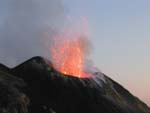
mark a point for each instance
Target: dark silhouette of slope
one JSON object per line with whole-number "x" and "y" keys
{"x": 4, "y": 68}
{"x": 12, "y": 98}
{"x": 50, "y": 90}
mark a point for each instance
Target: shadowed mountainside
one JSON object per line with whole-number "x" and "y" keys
{"x": 42, "y": 89}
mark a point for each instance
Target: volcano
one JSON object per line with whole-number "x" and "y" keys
{"x": 36, "y": 87}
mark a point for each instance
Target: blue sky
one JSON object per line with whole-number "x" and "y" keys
{"x": 119, "y": 31}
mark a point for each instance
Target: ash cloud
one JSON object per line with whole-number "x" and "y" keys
{"x": 24, "y": 26}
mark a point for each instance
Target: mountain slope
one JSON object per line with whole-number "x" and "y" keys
{"x": 50, "y": 91}
{"x": 12, "y": 99}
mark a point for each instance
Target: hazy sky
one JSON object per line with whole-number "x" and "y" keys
{"x": 119, "y": 32}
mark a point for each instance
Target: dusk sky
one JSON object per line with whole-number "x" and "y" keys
{"x": 118, "y": 30}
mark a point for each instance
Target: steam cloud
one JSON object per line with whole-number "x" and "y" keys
{"x": 24, "y": 25}
{"x": 29, "y": 28}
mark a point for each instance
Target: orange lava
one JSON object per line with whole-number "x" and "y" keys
{"x": 68, "y": 56}
{"x": 69, "y": 47}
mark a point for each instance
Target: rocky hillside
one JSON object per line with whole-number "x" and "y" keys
{"x": 36, "y": 87}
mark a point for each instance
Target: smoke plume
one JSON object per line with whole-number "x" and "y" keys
{"x": 24, "y": 25}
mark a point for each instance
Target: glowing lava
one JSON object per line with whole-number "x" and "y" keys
{"x": 68, "y": 56}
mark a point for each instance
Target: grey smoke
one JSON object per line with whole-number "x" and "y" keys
{"x": 26, "y": 27}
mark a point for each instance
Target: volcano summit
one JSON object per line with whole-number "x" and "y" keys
{"x": 36, "y": 87}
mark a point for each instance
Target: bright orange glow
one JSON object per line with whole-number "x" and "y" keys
{"x": 68, "y": 56}
{"x": 69, "y": 48}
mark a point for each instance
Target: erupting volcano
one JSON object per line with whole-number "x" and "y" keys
{"x": 68, "y": 56}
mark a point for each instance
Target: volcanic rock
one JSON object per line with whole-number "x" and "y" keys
{"x": 42, "y": 89}
{"x": 12, "y": 98}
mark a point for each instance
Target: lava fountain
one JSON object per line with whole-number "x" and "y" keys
{"x": 68, "y": 54}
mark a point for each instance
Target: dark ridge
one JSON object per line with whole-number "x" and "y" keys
{"x": 131, "y": 100}
{"x": 62, "y": 94}
{"x": 36, "y": 87}
{"x": 4, "y": 68}
{"x": 44, "y": 67}
{"x": 12, "y": 98}
{"x": 50, "y": 90}
{"x": 38, "y": 59}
